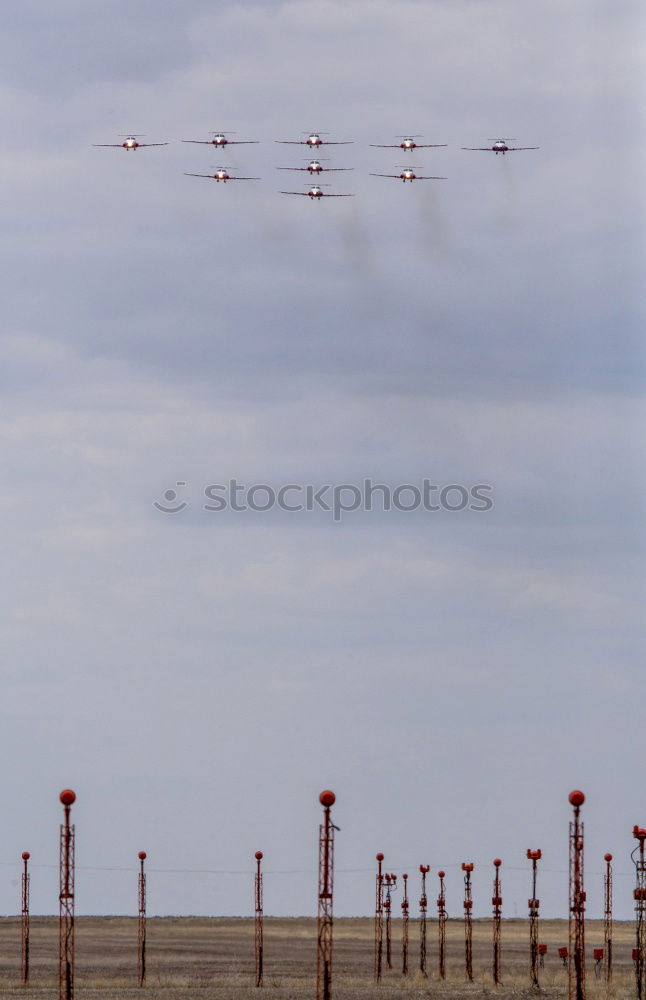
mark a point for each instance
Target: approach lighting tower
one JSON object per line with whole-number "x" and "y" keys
{"x": 326, "y": 897}
{"x": 379, "y": 918}
{"x": 534, "y": 904}
{"x": 467, "y": 868}
{"x": 423, "y": 902}
{"x": 576, "y": 969}
{"x": 496, "y": 902}
{"x": 66, "y": 900}
{"x": 259, "y": 918}
{"x": 404, "y": 905}
{"x": 639, "y": 895}
{"x": 390, "y": 882}
{"x": 25, "y": 919}
{"x": 141, "y": 950}
{"x": 441, "y": 926}
{"x": 607, "y": 919}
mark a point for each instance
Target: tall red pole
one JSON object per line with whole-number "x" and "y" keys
{"x": 423, "y": 902}
{"x": 467, "y": 868}
{"x": 441, "y": 926}
{"x": 66, "y": 900}
{"x": 496, "y": 901}
{"x": 141, "y": 950}
{"x": 404, "y": 905}
{"x": 326, "y": 893}
{"x": 259, "y": 919}
{"x": 639, "y": 894}
{"x": 576, "y": 973}
{"x": 534, "y": 904}
{"x": 607, "y": 919}
{"x": 379, "y": 918}
{"x": 390, "y": 882}
{"x": 25, "y": 919}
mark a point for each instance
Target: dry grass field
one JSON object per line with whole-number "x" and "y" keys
{"x": 196, "y": 958}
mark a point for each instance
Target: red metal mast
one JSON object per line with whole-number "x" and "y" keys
{"x": 467, "y": 868}
{"x": 441, "y": 926}
{"x": 66, "y": 900}
{"x": 607, "y": 919}
{"x": 259, "y": 919}
{"x": 404, "y": 905}
{"x": 639, "y": 894}
{"x": 576, "y": 970}
{"x": 390, "y": 882}
{"x": 141, "y": 950}
{"x": 496, "y": 901}
{"x": 379, "y": 919}
{"x": 424, "y": 869}
{"x": 533, "y": 903}
{"x": 25, "y": 919}
{"x": 326, "y": 895}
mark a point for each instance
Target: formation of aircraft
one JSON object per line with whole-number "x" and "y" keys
{"x": 315, "y": 167}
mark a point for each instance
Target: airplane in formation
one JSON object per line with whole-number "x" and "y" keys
{"x": 220, "y": 140}
{"x": 408, "y": 143}
{"x": 316, "y": 167}
{"x": 130, "y": 142}
{"x": 408, "y": 174}
{"x": 499, "y": 146}
{"x": 316, "y": 192}
{"x": 313, "y": 139}
{"x": 223, "y": 175}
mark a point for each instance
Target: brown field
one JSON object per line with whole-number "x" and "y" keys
{"x": 190, "y": 958}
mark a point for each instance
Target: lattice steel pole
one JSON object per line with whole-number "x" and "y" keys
{"x": 423, "y": 902}
{"x": 391, "y": 883}
{"x": 404, "y": 905}
{"x": 258, "y": 918}
{"x": 25, "y": 919}
{"x": 534, "y": 904}
{"x": 379, "y": 918}
{"x": 576, "y": 969}
{"x": 325, "y": 899}
{"x": 467, "y": 868}
{"x": 496, "y": 902}
{"x": 66, "y": 901}
{"x": 639, "y": 894}
{"x": 441, "y": 927}
{"x": 607, "y": 919}
{"x": 141, "y": 950}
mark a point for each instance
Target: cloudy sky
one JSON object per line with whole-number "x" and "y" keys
{"x": 199, "y": 677}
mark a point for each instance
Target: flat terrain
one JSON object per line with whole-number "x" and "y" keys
{"x": 190, "y": 958}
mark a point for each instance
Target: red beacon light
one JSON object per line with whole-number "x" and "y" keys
{"x": 576, "y": 798}
{"x": 441, "y": 874}
{"x": 327, "y": 798}
{"x": 639, "y": 833}
{"x": 467, "y": 866}
{"x": 424, "y": 869}
{"x": 379, "y": 856}
{"x": 497, "y": 862}
{"x": 534, "y": 855}
{"x": 67, "y": 797}
{"x": 26, "y": 855}
{"x": 607, "y": 857}
{"x": 258, "y": 855}
{"x": 142, "y": 855}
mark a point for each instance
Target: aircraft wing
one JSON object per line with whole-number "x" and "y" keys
{"x": 329, "y": 170}
{"x": 398, "y": 176}
{"x": 304, "y": 194}
{"x": 114, "y": 145}
{"x": 430, "y": 145}
{"x": 233, "y": 177}
{"x": 389, "y": 145}
{"x": 421, "y": 178}
{"x": 513, "y": 149}
{"x": 324, "y": 195}
{"x": 291, "y": 168}
{"x": 483, "y": 149}
{"x": 210, "y": 176}
{"x": 291, "y": 142}
{"x": 242, "y": 142}
{"x": 141, "y": 144}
